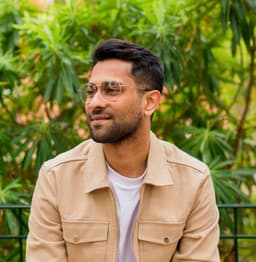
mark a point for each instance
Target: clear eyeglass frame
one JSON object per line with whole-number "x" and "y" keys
{"x": 110, "y": 90}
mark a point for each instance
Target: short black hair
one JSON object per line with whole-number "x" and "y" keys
{"x": 146, "y": 68}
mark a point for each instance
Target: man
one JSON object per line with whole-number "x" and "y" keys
{"x": 124, "y": 195}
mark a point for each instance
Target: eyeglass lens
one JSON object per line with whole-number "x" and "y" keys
{"x": 110, "y": 90}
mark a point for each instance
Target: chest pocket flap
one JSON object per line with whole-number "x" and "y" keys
{"x": 81, "y": 231}
{"x": 160, "y": 233}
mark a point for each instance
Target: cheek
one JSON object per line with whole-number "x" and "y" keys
{"x": 88, "y": 108}
{"x": 133, "y": 110}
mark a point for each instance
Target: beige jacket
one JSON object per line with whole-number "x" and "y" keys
{"x": 73, "y": 215}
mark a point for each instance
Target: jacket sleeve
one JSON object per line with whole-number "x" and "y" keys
{"x": 45, "y": 241}
{"x": 201, "y": 233}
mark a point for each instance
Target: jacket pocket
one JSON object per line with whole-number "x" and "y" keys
{"x": 158, "y": 240}
{"x": 85, "y": 240}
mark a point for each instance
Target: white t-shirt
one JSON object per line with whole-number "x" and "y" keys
{"x": 127, "y": 195}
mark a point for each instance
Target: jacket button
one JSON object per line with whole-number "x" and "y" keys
{"x": 166, "y": 240}
{"x": 76, "y": 238}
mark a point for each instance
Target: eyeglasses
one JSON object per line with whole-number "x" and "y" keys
{"x": 110, "y": 90}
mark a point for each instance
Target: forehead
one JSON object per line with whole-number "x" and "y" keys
{"x": 112, "y": 69}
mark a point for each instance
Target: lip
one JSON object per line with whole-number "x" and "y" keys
{"x": 98, "y": 123}
{"x": 98, "y": 119}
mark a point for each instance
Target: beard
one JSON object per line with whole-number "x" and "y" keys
{"x": 116, "y": 132}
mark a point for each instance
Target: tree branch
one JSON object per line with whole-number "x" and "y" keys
{"x": 240, "y": 128}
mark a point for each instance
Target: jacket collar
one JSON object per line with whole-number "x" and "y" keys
{"x": 157, "y": 169}
{"x": 158, "y": 173}
{"x": 95, "y": 170}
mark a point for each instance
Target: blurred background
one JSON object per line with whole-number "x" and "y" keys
{"x": 207, "y": 49}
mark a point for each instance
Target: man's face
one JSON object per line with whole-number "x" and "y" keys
{"x": 114, "y": 121}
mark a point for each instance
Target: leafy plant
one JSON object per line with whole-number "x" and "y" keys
{"x": 8, "y": 195}
{"x": 207, "y": 49}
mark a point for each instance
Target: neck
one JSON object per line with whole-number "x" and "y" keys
{"x": 129, "y": 157}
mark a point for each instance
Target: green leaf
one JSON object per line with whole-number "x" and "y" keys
{"x": 225, "y": 13}
{"x": 13, "y": 224}
{"x": 252, "y": 5}
{"x": 29, "y": 155}
{"x": 49, "y": 87}
{"x": 59, "y": 89}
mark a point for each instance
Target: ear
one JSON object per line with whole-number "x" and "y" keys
{"x": 151, "y": 102}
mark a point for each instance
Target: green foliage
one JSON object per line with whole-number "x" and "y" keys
{"x": 207, "y": 49}
{"x": 10, "y": 220}
{"x": 10, "y": 14}
{"x": 241, "y": 16}
{"x": 7, "y": 193}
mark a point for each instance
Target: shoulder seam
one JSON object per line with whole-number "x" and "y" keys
{"x": 201, "y": 170}
{"x": 49, "y": 165}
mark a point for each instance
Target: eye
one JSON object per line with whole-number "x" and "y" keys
{"x": 91, "y": 89}
{"x": 111, "y": 88}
